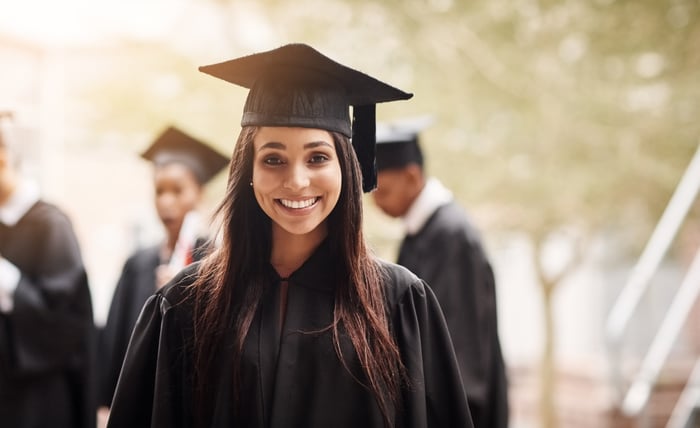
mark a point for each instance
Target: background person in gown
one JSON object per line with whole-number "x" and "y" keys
{"x": 46, "y": 325}
{"x": 182, "y": 166}
{"x": 445, "y": 250}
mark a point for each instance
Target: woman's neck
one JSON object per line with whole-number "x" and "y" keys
{"x": 290, "y": 251}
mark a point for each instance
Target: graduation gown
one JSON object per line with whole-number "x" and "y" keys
{"x": 136, "y": 284}
{"x": 47, "y": 340}
{"x": 292, "y": 377}
{"x": 448, "y": 255}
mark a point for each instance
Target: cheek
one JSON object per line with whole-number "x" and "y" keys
{"x": 332, "y": 181}
{"x": 264, "y": 183}
{"x": 259, "y": 197}
{"x": 390, "y": 201}
{"x": 379, "y": 196}
{"x": 263, "y": 179}
{"x": 163, "y": 200}
{"x": 159, "y": 205}
{"x": 190, "y": 201}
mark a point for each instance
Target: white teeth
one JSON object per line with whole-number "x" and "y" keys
{"x": 298, "y": 204}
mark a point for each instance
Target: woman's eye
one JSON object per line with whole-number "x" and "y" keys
{"x": 318, "y": 158}
{"x": 272, "y": 161}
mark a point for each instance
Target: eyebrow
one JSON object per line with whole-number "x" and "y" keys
{"x": 274, "y": 145}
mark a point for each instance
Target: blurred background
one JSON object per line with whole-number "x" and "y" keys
{"x": 564, "y": 128}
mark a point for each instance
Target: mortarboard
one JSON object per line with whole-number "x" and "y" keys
{"x": 173, "y": 145}
{"x": 295, "y": 85}
{"x": 397, "y": 142}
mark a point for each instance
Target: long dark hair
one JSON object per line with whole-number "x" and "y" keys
{"x": 230, "y": 282}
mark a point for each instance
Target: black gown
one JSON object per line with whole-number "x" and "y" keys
{"x": 448, "y": 255}
{"x": 47, "y": 340}
{"x": 291, "y": 378}
{"x": 136, "y": 284}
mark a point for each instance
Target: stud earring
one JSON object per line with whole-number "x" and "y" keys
{"x": 251, "y": 184}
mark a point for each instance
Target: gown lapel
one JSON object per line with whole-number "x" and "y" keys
{"x": 269, "y": 342}
{"x": 309, "y": 310}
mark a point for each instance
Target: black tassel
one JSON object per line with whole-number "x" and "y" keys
{"x": 364, "y": 130}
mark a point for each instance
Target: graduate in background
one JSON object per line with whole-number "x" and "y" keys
{"x": 182, "y": 166}
{"x": 291, "y": 321}
{"x": 46, "y": 325}
{"x": 444, "y": 249}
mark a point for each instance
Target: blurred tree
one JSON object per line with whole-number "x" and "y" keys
{"x": 571, "y": 117}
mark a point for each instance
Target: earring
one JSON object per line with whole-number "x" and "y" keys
{"x": 251, "y": 184}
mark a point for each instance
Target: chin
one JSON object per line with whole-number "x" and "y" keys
{"x": 302, "y": 229}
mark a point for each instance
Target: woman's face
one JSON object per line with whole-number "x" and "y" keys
{"x": 177, "y": 193}
{"x": 296, "y": 178}
{"x": 395, "y": 191}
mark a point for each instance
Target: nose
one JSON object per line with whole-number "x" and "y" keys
{"x": 297, "y": 178}
{"x": 165, "y": 201}
{"x": 167, "y": 206}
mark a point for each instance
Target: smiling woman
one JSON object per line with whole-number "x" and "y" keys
{"x": 292, "y": 321}
{"x": 296, "y": 180}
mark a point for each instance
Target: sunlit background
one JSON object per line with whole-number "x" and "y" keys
{"x": 563, "y": 127}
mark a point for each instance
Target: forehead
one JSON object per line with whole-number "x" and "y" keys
{"x": 291, "y": 137}
{"x": 174, "y": 171}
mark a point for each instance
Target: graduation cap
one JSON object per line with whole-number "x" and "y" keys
{"x": 398, "y": 142}
{"x": 297, "y": 86}
{"x": 173, "y": 145}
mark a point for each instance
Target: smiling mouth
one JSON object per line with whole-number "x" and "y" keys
{"x": 297, "y": 205}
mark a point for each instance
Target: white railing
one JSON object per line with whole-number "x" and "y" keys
{"x": 671, "y": 326}
{"x": 688, "y": 402}
{"x": 634, "y": 399}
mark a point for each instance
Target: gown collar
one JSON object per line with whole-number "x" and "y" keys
{"x": 316, "y": 272}
{"x": 21, "y": 201}
{"x": 433, "y": 196}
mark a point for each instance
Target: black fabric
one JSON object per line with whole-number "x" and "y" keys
{"x": 47, "y": 340}
{"x": 397, "y": 142}
{"x": 295, "y": 97}
{"x": 359, "y": 88}
{"x": 363, "y": 141}
{"x": 136, "y": 284}
{"x": 293, "y": 377}
{"x": 398, "y": 154}
{"x": 174, "y": 145}
{"x": 464, "y": 284}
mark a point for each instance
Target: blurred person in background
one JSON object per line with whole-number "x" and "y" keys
{"x": 444, "y": 249}
{"x": 291, "y": 321}
{"x": 46, "y": 321}
{"x": 182, "y": 166}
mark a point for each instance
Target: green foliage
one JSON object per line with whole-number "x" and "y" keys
{"x": 143, "y": 88}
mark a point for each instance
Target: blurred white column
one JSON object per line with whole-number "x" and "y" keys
{"x": 51, "y": 124}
